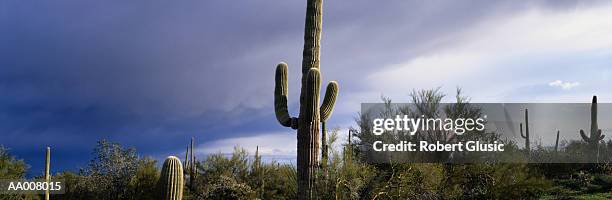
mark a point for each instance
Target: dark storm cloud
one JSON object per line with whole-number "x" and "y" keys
{"x": 152, "y": 73}
{"x": 74, "y": 72}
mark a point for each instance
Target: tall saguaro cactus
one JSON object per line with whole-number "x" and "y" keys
{"x": 47, "y": 169}
{"x": 526, "y": 135}
{"x": 307, "y": 123}
{"x": 171, "y": 180}
{"x": 596, "y": 135}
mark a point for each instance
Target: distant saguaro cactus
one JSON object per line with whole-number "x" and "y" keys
{"x": 595, "y": 135}
{"x": 47, "y": 169}
{"x": 171, "y": 180}
{"x": 186, "y": 162}
{"x": 526, "y": 135}
{"x": 192, "y": 167}
{"x": 259, "y": 171}
{"x": 307, "y": 124}
{"x": 189, "y": 165}
{"x": 557, "y": 142}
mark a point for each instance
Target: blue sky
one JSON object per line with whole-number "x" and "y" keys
{"x": 152, "y": 74}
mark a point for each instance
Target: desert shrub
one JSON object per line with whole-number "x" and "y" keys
{"x": 144, "y": 183}
{"x": 279, "y": 182}
{"x": 450, "y": 181}
{"x": 344, "y": 177}
{"x": 217, "y": 165}
{"x": 254, "y": 178}
{"x": 493, "y": 181}
{"x": 584, "y": 182}
{"x": 407, "y": 181}
{"x": 272, "y": 180}
{"x": 11, "y": 167}
{"x": 115, "y": 172}
{"x": 603, "y": 182}
{"x": 75, "y": 186}
{"x": 109, "y": 174}
{"x": 228, "y": 188}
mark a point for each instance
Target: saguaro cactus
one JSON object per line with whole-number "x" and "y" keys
{"x": 307, "y": 123}
{"x": 557, "y": 142}
{"x": 258, "y": 170}
{"x": 595, "y": 135}
{"x": 526, "y": 135}
{"x": 47, "y": 168}
{"x": 349, "y": 146}
{"x": 257, "y": 160}
{"x": 171, "y": 180}
{"x": 192, "y": 166}
{"x": 186, "y": 162}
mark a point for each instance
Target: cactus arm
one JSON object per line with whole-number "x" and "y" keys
{"x": 186, "y": 164}
{"x": 280, "y": 97}
{"x": 601, "y": 137}
{"x": 584, "y": 136}
{"x": 327, "y": 108}
{"x": 329, "y": 100}
{"x": 521, "y": 129}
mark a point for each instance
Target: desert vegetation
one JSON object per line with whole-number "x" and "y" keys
{"x": 116, "y": 172}
{"x": 327, "y": 168}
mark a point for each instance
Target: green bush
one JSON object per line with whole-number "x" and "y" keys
{"x": 228, "y": 188}
{"x": 11, "y": 167}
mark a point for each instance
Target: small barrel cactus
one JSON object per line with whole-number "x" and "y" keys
{"x": 171, "y": 180}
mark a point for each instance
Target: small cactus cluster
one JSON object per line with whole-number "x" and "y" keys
{"x": 595, "y": 135}
{"x": 171, "y": 180}
{"x": 526, "y": 135}
{"x": 190, "y": 164}
{"x": 307, "y": 124}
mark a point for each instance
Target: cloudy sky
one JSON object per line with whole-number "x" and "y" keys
{"x": 152, "y": 74}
